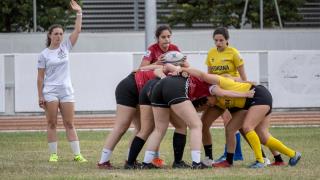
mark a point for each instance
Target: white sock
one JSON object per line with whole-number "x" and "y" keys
{"x": 105, "y": 155}
{"x": 157, "y": 154}
{"x": 53, "y": 147}
{"x": 128, "y": 153}
{"x": 196, "y": 156}
{"x": 75, "y": 147}
{"x": 148, "y": 156}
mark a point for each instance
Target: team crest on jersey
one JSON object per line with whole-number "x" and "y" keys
{"x": 212, "y": 59}
{"x": 225, "y": 60}
{"x": 147, "y": 54}
{"x": 61, "y": 54}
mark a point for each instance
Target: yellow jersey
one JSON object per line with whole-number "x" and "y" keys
{"x": 230, "y": 84}
{"x": 225, "y": 62}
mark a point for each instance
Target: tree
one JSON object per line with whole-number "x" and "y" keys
{"x": 18, "y": 14}
{"x": 228, "y": 13}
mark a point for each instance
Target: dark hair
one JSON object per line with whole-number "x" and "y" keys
{"x": 162, "y": 28}
{"x": 223, "y": 31}
{"x": 51, "y": 28}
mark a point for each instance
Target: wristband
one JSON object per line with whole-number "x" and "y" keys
{"x": 79, "y": 14}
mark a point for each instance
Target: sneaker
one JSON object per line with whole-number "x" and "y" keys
{"x": 257, "y": 165}
{"x": 135, "y": 165}
{"x": 222, "y": 164}
{"x": 148, "y": 166}
{"x": 79, "y": 158}
{"x": 105, "y": 165}
{"x": 207, "y": 161}
{"x": 53, "y": 158}
{"x": 199, "y": 165}
{"x": 267, "y": 162}
{"x": 277, "y": 163}
{"x": 221, "y": 158}
{"x": 295, "y": 159}
{"x": 158, "y": 162}
{"x": 180, "y": 165}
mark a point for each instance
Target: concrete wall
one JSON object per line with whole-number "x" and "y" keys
{"x": 195, "y": 40}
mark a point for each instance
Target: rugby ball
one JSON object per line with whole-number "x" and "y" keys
{"x": 173, "y": 57}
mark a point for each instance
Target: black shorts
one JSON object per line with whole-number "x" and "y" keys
{"x": 170, "y": 90}
{"x": 262, "y": 96}
{"x": 200, "y": 102}
{"x": 145, "y": 93}
{"x": 127, "y": 92}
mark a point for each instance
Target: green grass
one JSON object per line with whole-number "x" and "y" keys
{"x": 24, "y": 155}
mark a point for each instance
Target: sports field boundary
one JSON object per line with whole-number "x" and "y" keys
{"x": 106, "y": 121}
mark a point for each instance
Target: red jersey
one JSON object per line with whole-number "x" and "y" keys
{"x": 142, "y": 77}
{"x": 197, "y": 88}
{"x": 154, "y": 51}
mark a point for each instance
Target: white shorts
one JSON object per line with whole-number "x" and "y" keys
{"x": 61, "y": 94}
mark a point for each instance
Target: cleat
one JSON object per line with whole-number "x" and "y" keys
{"x": 295, "y": 159}
{"x": 207, "y": 161}
{"x": 199, "y": 165}
{"x": 135, "y": 165}
{"x": 180, "y": 165}
{"x": 53, "y": 158}
{"x": 148, "y": 166}
{"x": 105, "y": 165}
{"x": 277, "y": 163}
{"x": 159, "y": 163}
{"x": 221, "y": 158}
{"x": 267, "y": 162}
{"x": 222, "y": 164}
{"x": 257, "y": 165}
{"x": 79, "y": 158}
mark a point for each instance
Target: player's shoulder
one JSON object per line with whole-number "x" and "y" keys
{"x": 232, "y": 49}
{"x": 173, "y": 47}
{"x": 153, "y": 46}
{"x": 44, "y": 52}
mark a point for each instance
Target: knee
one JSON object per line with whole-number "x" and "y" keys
{"x": 145, "y": 133}
{"x": 247, "y": 128}
{"x": 196, "y": 125}
{"x": 120, "y": 131}
{"x": 68, "y": 125}
{"x": 230, "y": 131}
{"x": 52, "y": 124}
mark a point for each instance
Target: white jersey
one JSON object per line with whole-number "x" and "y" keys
{"x": 56, "y": 65}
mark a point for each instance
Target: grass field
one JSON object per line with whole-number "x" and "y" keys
{"x": 24, "y": 155}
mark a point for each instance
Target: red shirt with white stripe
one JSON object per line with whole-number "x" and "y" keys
{"x": 154, "y": 51}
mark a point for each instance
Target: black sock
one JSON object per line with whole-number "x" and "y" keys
{"x": 179, "y": 142}
{"x": 208, "y": 151}
{"x": 278, "y": 158}
{"x": 263, "y": 154}
{"x": 136, "y": 146}
{"x": 230, "y": 158}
